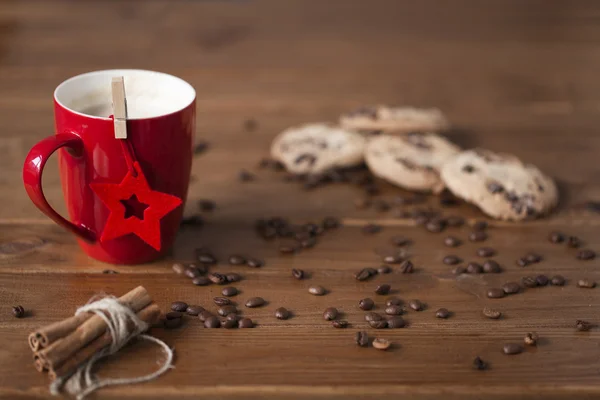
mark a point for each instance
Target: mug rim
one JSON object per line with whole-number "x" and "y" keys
{"x": 124, "y": 71}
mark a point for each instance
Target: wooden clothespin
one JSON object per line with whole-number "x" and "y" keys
{"x": 119, "y": 107}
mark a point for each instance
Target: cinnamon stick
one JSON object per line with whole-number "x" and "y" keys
{"x": 149, "y": 315}
{"x": 39, "y": 364}
{"x": 63, "y": 349}
{"x": 44, "y": 336}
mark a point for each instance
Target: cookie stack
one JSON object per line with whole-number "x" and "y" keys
{"x": 401, "y": 145}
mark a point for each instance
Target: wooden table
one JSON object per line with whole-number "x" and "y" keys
{"x": 516, "y": 76}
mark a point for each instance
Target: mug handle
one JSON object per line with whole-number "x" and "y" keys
{"x": 32, "y": 178}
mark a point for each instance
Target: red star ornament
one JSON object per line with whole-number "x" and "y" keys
{"x": 121, "y": 220}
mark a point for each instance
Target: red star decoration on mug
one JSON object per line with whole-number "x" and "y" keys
{"x": 130, "y": 200}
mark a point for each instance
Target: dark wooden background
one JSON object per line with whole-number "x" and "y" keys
{"x": 516, "y": 76}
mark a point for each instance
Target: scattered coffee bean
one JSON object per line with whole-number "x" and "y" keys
{"x": 442, "y": 313}
{"x": 407, "y": 267}
{"x": 222, "y": 301}
{"x": 495, "y": 293}
{"x": 173, "y": 323}
{"x": 474, "y": 268}
{"x": 194, "y": 310}
{"x": 179, "y": 306}
{"x": 245, "y": 323}
{"x": 522, "y": 262}
{"x": 217, "y": 278}
{"x": 330, "y": 314}
{"x": 381, "y": 324}
{"x": 254, "y": 263}
{"x": 529, "y": 281}
{"x": 491, "y": 313}
{"x": 455, "y": 221}
{"x": 229, "y": 291}
{"x": 200, "y": 147}
{"x": 382, "y": 289}
{"x": 250, "y": 125}
{"x": 297, "y": 273}
{"x": 178, "y": 268}
{"x": 400, "y": 241}
{"x": 361, "y": 338}
{"x": 233, "y": 317}
{"x": 381, "y": 344}
{"x": 339, "y": 324}
{"x": 18, "y": 311}
{"x": 542, "y": 280}
{"x": 586, "y": 283}
{"x": 574, "y": 242}
{"x": 435, "y": 225}
{"x": 317, "y": 290}
{"x": 533, "y": 258}
{"x": 556, "y": 237}
{"x": 458, "y": 270}
{"x": 226, "y": 310}
{"x": 392, "y": 259}
{"x": 366, "y": 304}
{"x": 511, "y": 287}
{"x": 192, "y": 221}
{"x": 331, "y": 223}
{"x": 396, "y": 322}
{"x": 557, "y": 280}
{"x": 486, "y": 252}
{"x": 416, "y": 305}
{"x": 173, "y": 315}
{"x": 586, "y": 254}
{"x": 288, "y": 248}
{"x": 393, "y": 301}
{"x": 394, "y": 310}
{"x": 491, "y": 267}
{"x": 212, "y": 322}
{"x": 206, "y": 205}
{"x": 245, "y": 176}
{"x": 229, "y": 324}
{"x": 480, "y": 226}
{"x": 479, "y": 364}
{"x": 204, "y": 315}
{"x": 384, "y": 269}
{"x": 282, "y": 313}
{"x": 583, "y": 326}
{"x": 255, "y": 302}
{"x": 308, "y": 243}
{"x": 452, "y": 241}
{"x": 192, "y": 272}
{"x": 451, "y": 260}
{"x": 232, "y": 277}
{"x": 531, "y": 339}
{"x": 370, "y": 229}
{"x": 512, "y": 348}
{"x": 372, "y": 316}
{"x": 204, "y": 257}
{"x": 477, "y": 236}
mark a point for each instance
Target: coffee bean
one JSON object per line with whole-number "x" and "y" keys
{"x": 477, "y": 236}
{"x": 529, "y": 281}
{"x": 200, "y": 147}
{"x": 288, "y": 248}
{"x": 486, "y": 252}
{"x": 531, "y": 339}
{"x": 330, "y": 314}
{"x": 522, "y": 262}
{"x": 232, "y": 277}
{"x": 206, "y": 205}
{"x": 480, "y": 226}
{"x": 407, "y": 267}
{"x": 556, "y": 237}
{"x": 574, "y": 242}
{"x": 495, "y": 293}
{"x": 179, "y": 306}
{"x": 452, "y": 241}
{"x": 217, "y": 278}
{"x": 331, "y": 223}
{"x": 479, "y": 364}
{"x": 204, "y": 257}
{"x": 229, "y": 291}
{"x": 254, "y": 263}
{"x": 178, "y": 268}
{"x": 392, "y": 259}
{"x": 18, "y": 311}
{"x": 229, "y": 324}
{"x": 365, "y": 274}
{"x": 192, "y": 220}
{"x": 393, "y": 301}
{"x": 451, "y": 260}
{"x": 533, "y": 258}
{"x": 435, "y": 225}
{"x": 297, "y": 273}
{"x": 255, "y": 302}
{"x": 362, "y": 203}
{"x": 381, "y": 344}
{"x": 317, "y": 290}
{"x": 245, "y": 323}
{"x": 474, "y": 268}
{"x": 557, "y": 280}
{"x": 372, "y": 316}
{"x": 416, "y": 305}
{"x": 194, "y": 310}
{"x": 384, "y": 269}
{"x": 366, "y": 304}
{"x": 222, "y": 301}
{"x": 512, "y": 348}
{"x": 458, "y": 270}
{"x": 455, "y": 221}
{"x": 282, "y": 313}
{"x": 378, "y": 324}
{"x": 394, "y": 310}
{"x": 396, "y": 323}
{"x": 382, "y": 289}
{"x": 371, "y": 229}
{"x": 586, "y": 254}
{"x": 442, "y": 313}
{"x": 204, "y": 315}
{"x": 491, "y": 267}
{"x": 583, "y": 326}
{"x": 361, "y": 338}
{"x": 400, "y": 241}
{"x": 226, "y": 310}
{"x": 245, "y": 176}
{"x": 491, "y": 313}
{"x": 511, "y": 287}
{"x": 586, "y": 283}
{"x": 542, "y": 280}
{"x": 339, "y": 324}
{"x": 191, "y": 272}
{"x": 233, "y": 317}
{"x": 212, "y": 322}
{"x": 173, "y": 323}
{"x": 308, "y": 243}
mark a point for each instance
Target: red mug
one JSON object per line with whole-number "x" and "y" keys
{"x": 160, "y": 128}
